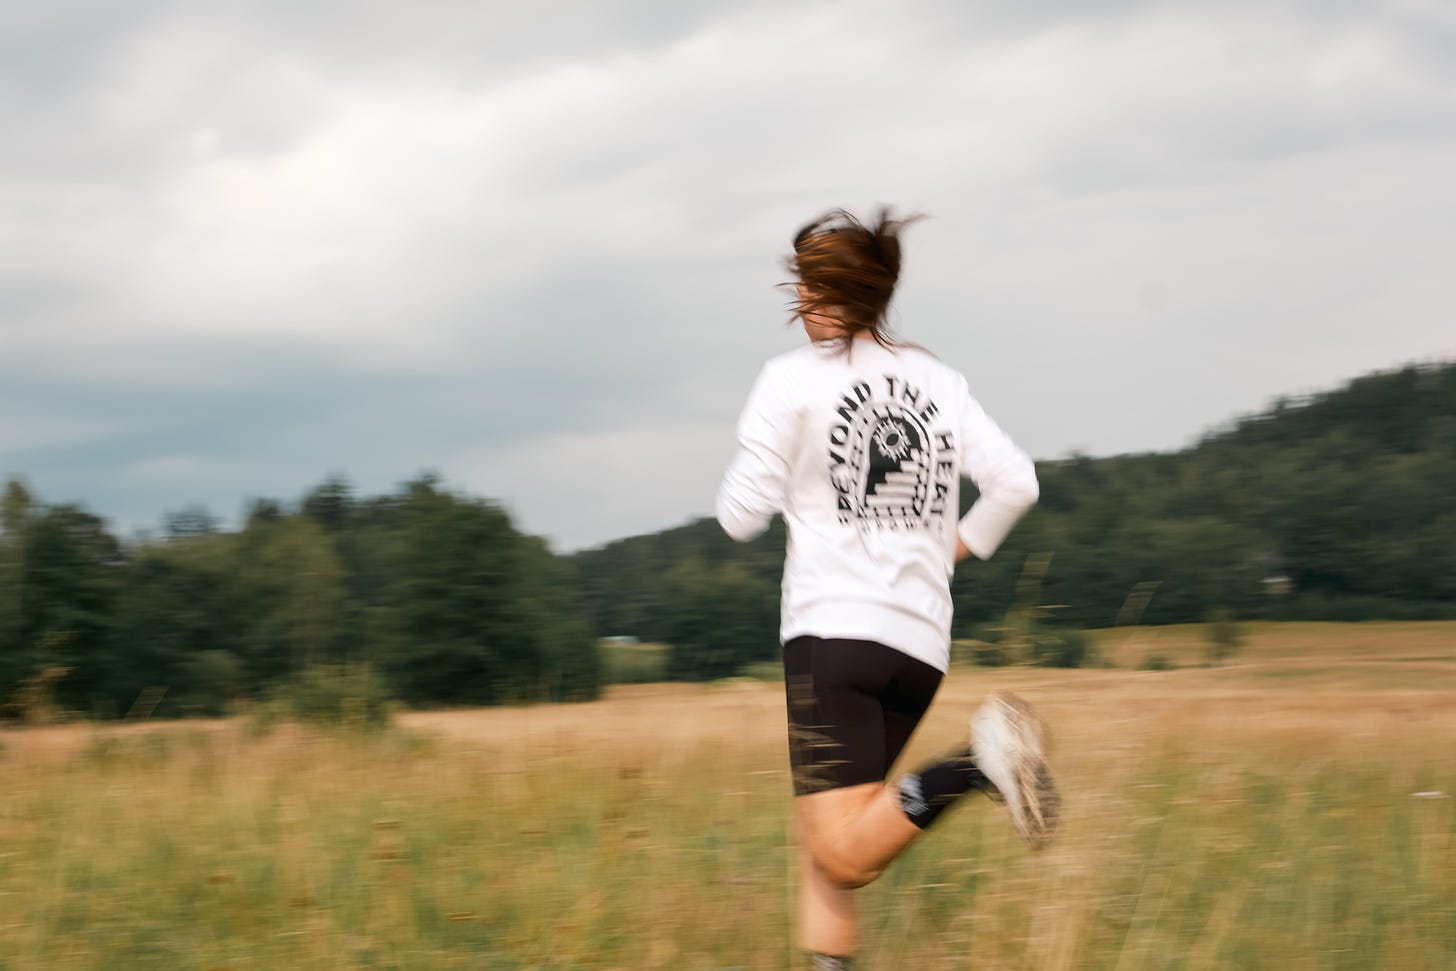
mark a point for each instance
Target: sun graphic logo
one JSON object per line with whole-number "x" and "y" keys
{"x": 883, "y": 473}
{"x": 892, "y": 439}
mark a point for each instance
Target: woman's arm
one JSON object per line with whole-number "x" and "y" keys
{"x": 1003, "y": 473}
{"x": 756, "y": 485}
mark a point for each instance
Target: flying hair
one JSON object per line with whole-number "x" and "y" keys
{"x": 848, "y": 270}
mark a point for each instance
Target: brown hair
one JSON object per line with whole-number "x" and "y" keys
{"x": 849, "y": 271}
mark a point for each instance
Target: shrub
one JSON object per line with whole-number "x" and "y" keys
{"x": 1224, "y": 636}
{"x": 1053, "y": 648}
{"x": 333, "y": 695}
{"x": 1157, "y": 662}
{"x": 1047, "y": 647}
{"x": 35, "y": 701}
{"x": 992, "y": 655}
{"x": 633, "y": 664}
{"x": 988, "y": 633}
{"x": 213, "y": 680}
{"x": 768, "y": 671}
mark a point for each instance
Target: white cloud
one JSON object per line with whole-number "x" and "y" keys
{"x": 489, "y": 241}
{"x": 581, "y": 489}
{"x": 20, "y": 431}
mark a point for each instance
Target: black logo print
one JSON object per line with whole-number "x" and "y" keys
{"x": 889, "y": 468}
{"x": 896, "y": 479}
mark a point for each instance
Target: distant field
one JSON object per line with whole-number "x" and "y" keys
{"x": 1360, "y": 655}
{"x": 634, "y": 663}
{"x": 1289, "y": 809}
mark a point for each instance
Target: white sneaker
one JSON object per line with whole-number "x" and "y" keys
{"x": 1008, "y": 739}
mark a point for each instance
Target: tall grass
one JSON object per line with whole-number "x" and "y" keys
{"x": 1215, "y": 818}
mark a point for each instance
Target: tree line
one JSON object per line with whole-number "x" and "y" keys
{"x": 1338, "y": 506}
{"x": 437, "y": 592}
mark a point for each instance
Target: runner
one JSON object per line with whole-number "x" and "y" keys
{"x": 859, "y": 440}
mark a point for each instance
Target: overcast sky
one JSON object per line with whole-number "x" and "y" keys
{"x": 533, "y": 247}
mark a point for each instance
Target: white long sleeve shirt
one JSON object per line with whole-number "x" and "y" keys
{"x": 862, "y": 452}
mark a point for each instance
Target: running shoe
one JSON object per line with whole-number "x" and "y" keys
{"x": 1008, "y": 741}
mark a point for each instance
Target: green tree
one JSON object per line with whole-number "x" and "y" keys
{"x": 480, "y": 613}
{"x": 288, "y": 594}
{"x": 174, "y": 607}
{"x": 330, "y": 504}
{"x": 722, "y": 617}
{"x": 15, "y": 510}
{"x": 69, "y": 578}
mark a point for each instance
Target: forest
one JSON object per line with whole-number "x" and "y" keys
{"x": 1336, "y": 506}
{"x": 437, "y": 593}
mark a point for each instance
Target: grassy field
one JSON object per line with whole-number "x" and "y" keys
{"x": 1290, "y": 809}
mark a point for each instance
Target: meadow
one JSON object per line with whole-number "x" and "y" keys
{"x": 1291, "y": 808}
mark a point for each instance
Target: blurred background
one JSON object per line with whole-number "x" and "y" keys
{"x": 360, "y": 361}
{"x": 311, "y": 313}
{"x": 1337, "y": 507}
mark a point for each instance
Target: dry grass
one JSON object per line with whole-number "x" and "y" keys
{"x": 1256, "y": 815}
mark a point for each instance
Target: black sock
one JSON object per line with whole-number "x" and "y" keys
{"x": 924, "y": 795}
{"x": 830, "y": 962}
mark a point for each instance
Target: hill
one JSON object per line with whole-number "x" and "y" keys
{"x": 1336, "y": 506}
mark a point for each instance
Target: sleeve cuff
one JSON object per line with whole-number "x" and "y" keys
{"x": 988, "y": 523}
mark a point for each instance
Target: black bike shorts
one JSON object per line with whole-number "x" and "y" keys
{"x": 852, "y": 707}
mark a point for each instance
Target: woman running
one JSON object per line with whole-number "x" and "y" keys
{"x": 859, "y": 441}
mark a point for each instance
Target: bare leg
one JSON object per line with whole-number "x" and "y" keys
{"x": 855, "y": 832}
{"x": 847, "y": 837}
{"x": 827, "y": 919}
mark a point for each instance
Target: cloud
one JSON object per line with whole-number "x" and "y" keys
{"x": 620, "y": 473}
{"x": 243, "y": 246}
